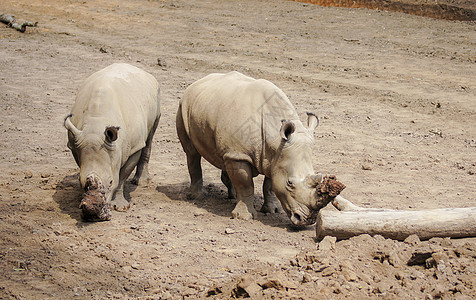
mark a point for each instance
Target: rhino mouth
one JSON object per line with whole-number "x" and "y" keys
{"x": 94, "y": 206}
{"x": 303, "y": 216}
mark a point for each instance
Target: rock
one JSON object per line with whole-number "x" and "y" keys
{"x": 199, "y": 212}
{"x": 246, "y": 287}
{"x": 366, "y": 167}
{"x": 412, "y": 240}
{"x": 328, "y": 243}
{"x": 328, "y": 271}
{"x": 420, "y": 255}
{"x": 28, "y": 174}
{"x": 349, "y": 275}
{"x": 278, "y": 281}
{"x": 229, "y": 231}
{"x": 161, "y": 62}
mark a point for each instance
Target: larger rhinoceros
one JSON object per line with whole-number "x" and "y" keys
{"x": 247, "y": 127}
{"x": 110, "y": 132}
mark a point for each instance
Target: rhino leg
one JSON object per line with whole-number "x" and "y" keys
{"x": 193, "y": 159}
{"x": 271, "y": 203}
{"x": 227, "y": 182}
{"x": 195, "y": 172}
{"x": 241, "y": 176}
{"x": 142, "y": 176}
{"x": 118, "y": 201}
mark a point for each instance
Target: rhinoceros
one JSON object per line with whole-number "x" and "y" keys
{"x": 110, "y": 131}
{"x": 247, "y": 127}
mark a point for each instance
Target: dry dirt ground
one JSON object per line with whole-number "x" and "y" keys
{"x": 396, "y": 96}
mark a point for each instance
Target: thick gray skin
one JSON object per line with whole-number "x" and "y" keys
{"x": 110, "y": 129}
{"x": 247, "y": 127}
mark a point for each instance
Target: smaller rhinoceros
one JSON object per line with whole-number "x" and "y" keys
{"x": 110, "y": 132}
{"x": 247, "y": 127}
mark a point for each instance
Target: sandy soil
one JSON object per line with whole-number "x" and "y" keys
{"x": 396, "y": 98}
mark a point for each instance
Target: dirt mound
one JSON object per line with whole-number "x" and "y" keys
{"x": 461, "y": 10}
{"x": 366, "y": 267}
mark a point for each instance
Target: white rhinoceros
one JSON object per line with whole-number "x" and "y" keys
{"x": 247, "y": 127}
{"x": 110, "y": 132}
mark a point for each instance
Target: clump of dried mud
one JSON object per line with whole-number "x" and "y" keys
{"x": 330, "y": 187}
{"x": 438, "y": 268}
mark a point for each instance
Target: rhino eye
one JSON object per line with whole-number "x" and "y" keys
{"x": 290, "y": 184}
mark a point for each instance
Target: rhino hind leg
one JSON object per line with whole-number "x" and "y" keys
{"x": 271, "y": 203}
{"x": 196, "y": 180}
{"x": 227, "y": 182}
{"x": 142, "y": 176}
{"x": 240, "y": 174}
{"x": 193, "y": 159}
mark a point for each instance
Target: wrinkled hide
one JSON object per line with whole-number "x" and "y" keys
{"x": 248, "y": 127}
{"x": 110, "y": 129}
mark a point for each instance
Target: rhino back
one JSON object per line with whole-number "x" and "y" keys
{"x": 119, "y": 95}
{"x": 232, "y": 114}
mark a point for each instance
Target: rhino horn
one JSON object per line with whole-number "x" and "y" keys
{"x": 69, "y": 125}
{"x": 314, "y": 180}
{"x": 287, "y": 128}
{"x": 312, "y": 121}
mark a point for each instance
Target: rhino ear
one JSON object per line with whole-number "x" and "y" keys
{"x": 111, "y": 133}
{"x": 312, "y": 121}
{"x": 287, "y": 128}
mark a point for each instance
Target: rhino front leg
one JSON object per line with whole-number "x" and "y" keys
{"x": 227, "y": 182}
{"x": 271, "y": 203}
{"x": 241, "y": 177}
{"x": 142, "y": 176}
{"x": 119, "y": 202}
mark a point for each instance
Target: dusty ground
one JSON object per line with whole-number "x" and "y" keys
{"x": 396, "y": 96}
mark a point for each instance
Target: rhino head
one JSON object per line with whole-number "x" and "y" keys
{"x": 95, "y": 153}
{"x": 302, "y": 192}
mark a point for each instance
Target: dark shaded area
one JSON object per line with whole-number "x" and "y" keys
{"x": 432, "y": 10}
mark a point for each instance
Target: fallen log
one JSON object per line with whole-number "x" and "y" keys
{"x": 10, "y": 21}
{"x": 354, "y": 220}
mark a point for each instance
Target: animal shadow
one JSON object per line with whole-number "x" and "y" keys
{"x": 68, "y": 194}
{"x": 215, "y": 200}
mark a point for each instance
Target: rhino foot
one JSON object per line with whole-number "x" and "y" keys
{"x": 195, "y": 193}
{"x": 243, "y": 211}
{"x": 142, "y": 181}
{"x": 120, "y": 203}
{"x": 271, "y": 208}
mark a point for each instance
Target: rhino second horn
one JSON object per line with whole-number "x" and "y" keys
{"x": 69, "y": 125}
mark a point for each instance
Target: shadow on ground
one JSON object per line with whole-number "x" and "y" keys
{"x": 68, "y": 194}
{"x": 216, "y": 201}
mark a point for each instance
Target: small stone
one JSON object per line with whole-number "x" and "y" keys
{"x": 253, "y": 290}
{"x": 328, "y": 271}
{"x": 229, "y": 231}
{"x": 161, "y": 62}
{"x": 328, "y": 243}
{"x": 349, "y": 275}
{"x": 412, "y": 240}
{"x": 366, "y": 167}
{"x": 28, "y": 174}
